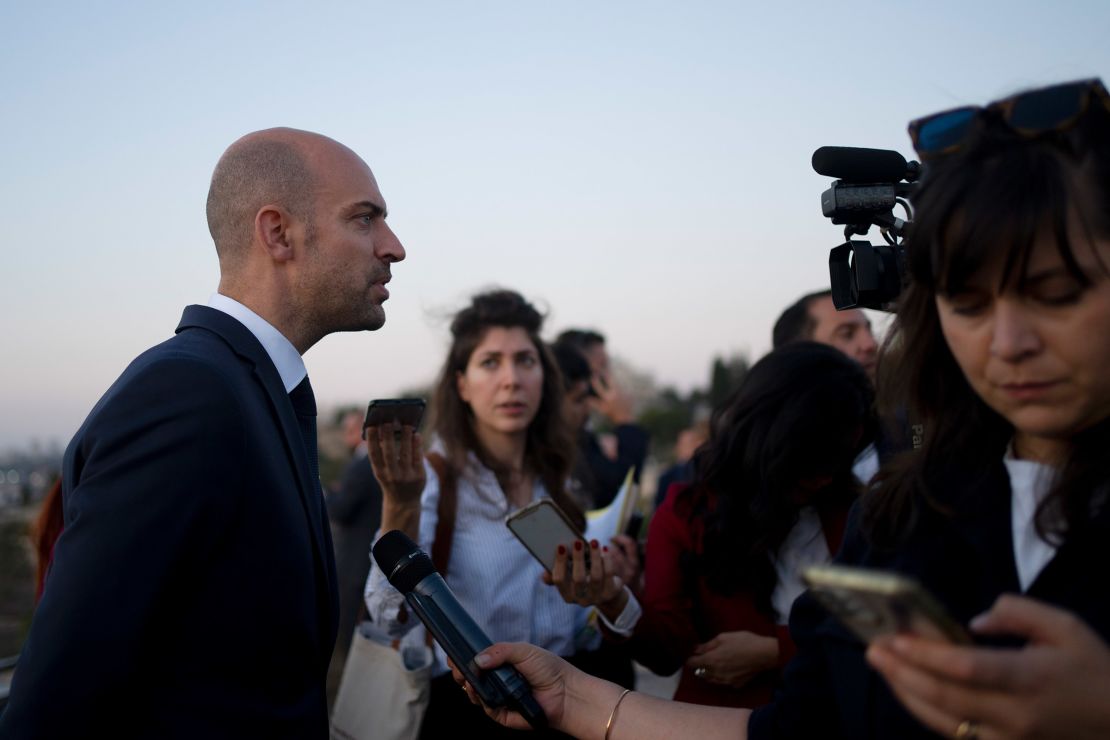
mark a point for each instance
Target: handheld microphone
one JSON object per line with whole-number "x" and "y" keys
{"x": 854, "y": 164}
{"x": 410, "y": 571}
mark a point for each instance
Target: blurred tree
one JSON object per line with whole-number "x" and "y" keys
{"x": 664, "y": 417}
{"x": 725, "y": 376}
{"x": 667, "y": 412}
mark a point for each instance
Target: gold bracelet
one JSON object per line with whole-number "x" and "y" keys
{"x": 613, "y": 714}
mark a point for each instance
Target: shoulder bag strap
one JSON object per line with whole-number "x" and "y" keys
{"x": 448, "y": 506}
{"x": 445, "y": 520}
{"x": 445, "y": 524}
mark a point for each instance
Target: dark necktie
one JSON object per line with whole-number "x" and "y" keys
{"x": 304, "y": 405}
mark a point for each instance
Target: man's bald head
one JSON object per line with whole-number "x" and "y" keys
{"x": 299, "y": 226}
{"x": 271, "y": 167}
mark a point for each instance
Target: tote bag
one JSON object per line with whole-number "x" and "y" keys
{"x": 384, "y": 689}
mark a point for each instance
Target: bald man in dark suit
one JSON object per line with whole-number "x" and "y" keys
{"x": 193, "y": 589}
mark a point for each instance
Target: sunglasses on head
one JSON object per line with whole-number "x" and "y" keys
{"x": 1028, "y": 114}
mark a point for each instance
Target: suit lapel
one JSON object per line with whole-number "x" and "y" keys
{"x": 246, "y": 346}
{"x": 312, "y": 498}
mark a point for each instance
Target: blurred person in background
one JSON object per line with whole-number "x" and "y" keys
{"x": 813, "y": 317}
{"x": 770, "y": 497}
{"x": 577, "y": 378}
{"x": 604, "y": 460}
{"x": 355, "y": 512}
{"x": 682, "y": 470}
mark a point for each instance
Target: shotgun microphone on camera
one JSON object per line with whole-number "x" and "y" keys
{"x": 860, "y": 165}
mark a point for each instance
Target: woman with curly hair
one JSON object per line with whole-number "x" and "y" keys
{"x": 500, "y": 444}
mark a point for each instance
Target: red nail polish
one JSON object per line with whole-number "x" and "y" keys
{"x": 593, "y": 544}
{"x": 605, "y": 549}
{"x": 578, "y": 544}
{"x": 562, "y": 550}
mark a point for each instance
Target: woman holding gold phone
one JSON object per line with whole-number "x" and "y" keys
{"x": 1001, "y": 350}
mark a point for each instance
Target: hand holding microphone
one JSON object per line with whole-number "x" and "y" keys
{"x": 410, "y": 571}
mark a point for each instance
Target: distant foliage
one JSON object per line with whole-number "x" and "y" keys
{"x": 668, "y": 412}
{"x": 725, "y": 377}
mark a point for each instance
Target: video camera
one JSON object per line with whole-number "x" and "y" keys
{"x": 870, "y": 183}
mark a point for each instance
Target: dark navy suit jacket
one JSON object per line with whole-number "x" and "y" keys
{"x": 193, "y": 588}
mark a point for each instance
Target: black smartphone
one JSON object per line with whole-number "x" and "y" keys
{"x": 406, "y": 411}
{"x": 873, "y": 603}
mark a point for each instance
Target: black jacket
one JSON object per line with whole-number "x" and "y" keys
{"x": 966, "y": 560}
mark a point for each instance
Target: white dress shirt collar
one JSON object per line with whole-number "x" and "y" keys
{"x": 282, "y": 353}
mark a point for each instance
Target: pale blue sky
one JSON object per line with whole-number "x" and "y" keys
{"x": 638, "y": 167}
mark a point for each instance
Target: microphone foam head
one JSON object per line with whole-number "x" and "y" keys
{"x": 402, "y": 560}
{"x": 859, "y": 165}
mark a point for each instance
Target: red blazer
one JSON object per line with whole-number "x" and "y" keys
{"x": 681, "y": 611}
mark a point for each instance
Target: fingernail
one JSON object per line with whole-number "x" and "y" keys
{"x": 483, "y": 660}
{"x": 593, "y": 544}
{"x": 578, "y": 545}
{"x": 605, "y": 549}
{"x": 977, "y": 623}
{"x": 900, "y": 645}
{"x": 562, "y": 550}
{"x": 876, "y": 656}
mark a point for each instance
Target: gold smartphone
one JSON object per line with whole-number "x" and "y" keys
{"x": 874, "y": 603}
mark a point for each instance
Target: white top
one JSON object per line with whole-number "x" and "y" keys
{"x": 282, "y": 353}
{"x": 1030, "y": 482}
{"x": 491, "y": 573}
{"x": 804, "y": 546}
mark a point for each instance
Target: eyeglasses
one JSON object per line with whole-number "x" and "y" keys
{"x": 1028, "y": 114}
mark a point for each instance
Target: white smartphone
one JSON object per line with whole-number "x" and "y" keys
{"x": 873, "y": 603}
{"x": 541, "y": 527}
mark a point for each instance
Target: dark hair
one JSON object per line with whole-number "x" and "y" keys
{"x": 572, "y": 364}
{"x": 997, "y": 195}
{"x": 803, "y": 411}
{"x": 549, "y": 447}
{"x": 580, "y": 339}
{"x": 796, "y": 323}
